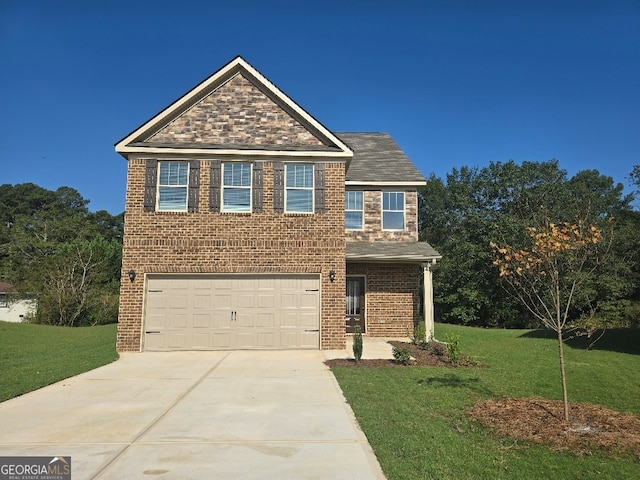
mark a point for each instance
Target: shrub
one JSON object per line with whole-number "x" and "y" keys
{"x": 357, "y": 344}
{"x": 419, "y": 336}
{"x": 453, "y": 348}
{"x": 402, "y": 355}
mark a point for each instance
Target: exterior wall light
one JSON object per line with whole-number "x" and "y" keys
{"x": 132, "y": 274}
{"x": 332, "y": 275}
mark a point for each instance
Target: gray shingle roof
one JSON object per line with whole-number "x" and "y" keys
{"x": 378, "y": 158}
{"x": 392, "y": 251}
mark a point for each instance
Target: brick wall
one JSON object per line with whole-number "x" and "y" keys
{"x": 392, "y": 297}
{"x": 372, "y": 230}
{"x": 236, "y": 113}
{"x": 207, "y": 242}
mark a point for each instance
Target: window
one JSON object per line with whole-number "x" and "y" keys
{"x": 299, "y": 188}
{"x": 173, "y": 186}
{"x": 353, "y": 210}
{"x": 3, "y": 300}
{"x": 392, "y": 210}
{"x": 236, "y": 187}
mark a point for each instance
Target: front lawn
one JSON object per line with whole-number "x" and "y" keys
{"x": 33, "y": 356}
{"x": 416, "y": 418}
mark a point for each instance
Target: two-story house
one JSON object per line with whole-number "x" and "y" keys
{"x": 248, "y": 224}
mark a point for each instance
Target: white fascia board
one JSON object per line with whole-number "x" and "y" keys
{"x": 356, "y": 183}
{"x": 391, "y": 258}
{"x": 121, "y": 147}
{"x": 131, "y": 152}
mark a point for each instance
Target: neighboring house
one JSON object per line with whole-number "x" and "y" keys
{"x": 249, "y": 224}
{"x": 12, "y": 308}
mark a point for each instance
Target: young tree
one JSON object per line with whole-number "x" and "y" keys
{"x": 546, "y": 275}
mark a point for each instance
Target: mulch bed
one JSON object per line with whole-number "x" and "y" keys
{"x": 433, "y": 357}
{"x": 591, "y": 429}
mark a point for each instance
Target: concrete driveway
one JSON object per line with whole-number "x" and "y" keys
{"x": 195, "y": 415}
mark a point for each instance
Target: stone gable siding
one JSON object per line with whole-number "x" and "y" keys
{"x": 392, "y": 297}
{"x": 207, "y": 242}
{"x": 236, "y": 113}
{"x": 373, "y": 220}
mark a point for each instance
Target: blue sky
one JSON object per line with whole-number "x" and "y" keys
{"x": 454, "y": 82}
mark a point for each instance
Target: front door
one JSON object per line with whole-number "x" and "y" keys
{"x": 355, "y": 304}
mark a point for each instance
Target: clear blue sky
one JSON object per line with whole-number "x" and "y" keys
{"x": 454, "y": 82}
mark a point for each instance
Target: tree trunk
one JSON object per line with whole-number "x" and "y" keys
{"x": 563, "y": 376}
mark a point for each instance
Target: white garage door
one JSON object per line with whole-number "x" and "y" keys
{"x": 204, "y": 312}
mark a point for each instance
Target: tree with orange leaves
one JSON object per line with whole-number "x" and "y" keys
{"x": 545, "y": 275}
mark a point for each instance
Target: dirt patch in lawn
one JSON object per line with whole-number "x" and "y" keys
{"x": 591, "y": 429}
{"x": 434, "y": 356}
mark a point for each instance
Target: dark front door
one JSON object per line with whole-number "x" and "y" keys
{"x": 355, "y": 304}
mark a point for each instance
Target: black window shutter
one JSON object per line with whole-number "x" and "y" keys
{"x": 194, "y": 185}
{"x": 257, "y": 187}
{"x": 214, "y": 186}
{"x": 278, "y": 187}
{"x": 319, "y": 171}
{"x": 150, "y": 182}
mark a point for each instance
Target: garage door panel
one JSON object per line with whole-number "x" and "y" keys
{"x": 176, "y": 341}
{"x": 221, "y": 300}
{"x": 221, "y": 340}
{"x": 288, "y": 300}
{"x": 176, "y": 321}
{"x": 178, "y": 302}
{"x": 200, "y": 341}
{"x": 243, "y": 319}
{"x": 220, "y": 320}
{"x": 266, "y": 319}
{"x": 202, "y": 301}
{"x": 232, "y": 312}
{"x": 201, "y": 320}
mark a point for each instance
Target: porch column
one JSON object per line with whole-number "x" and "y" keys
{"x": 428, "y": 301}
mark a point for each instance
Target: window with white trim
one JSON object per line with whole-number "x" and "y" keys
{"x": 173, "y": 186}
{"x": 298, "y": 188}
{"x": 353, "y": 210}
{"x": 393, "y": 210}
{"x": 236, "y": 187}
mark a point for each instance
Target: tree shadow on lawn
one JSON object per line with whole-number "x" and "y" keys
{"x": 621, "y": 340}
{"x": 451, "y": 380}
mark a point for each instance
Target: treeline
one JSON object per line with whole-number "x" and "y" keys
{"x": 462, "y": 214}
{"x": 54, "y": 250}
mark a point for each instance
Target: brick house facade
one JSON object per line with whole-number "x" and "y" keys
{"x": 235, "y": 227}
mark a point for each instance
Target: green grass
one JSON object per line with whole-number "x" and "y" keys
{"x": 416, "y": 418}
{"x": 33, "y": 356}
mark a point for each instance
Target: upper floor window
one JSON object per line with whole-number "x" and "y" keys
{"x": 173, "y": 186}
{"x": 393, "y": 210}
{"x": 299, "y": 188}
{"x": 236, "y": 187}
{"x": 354, "y": 211}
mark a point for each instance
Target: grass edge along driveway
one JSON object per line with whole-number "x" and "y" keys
{"x": 34, "y": 356}
{"x": 416, "y": 417}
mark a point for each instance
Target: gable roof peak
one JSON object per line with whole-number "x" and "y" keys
{"x": 136, "y": 141}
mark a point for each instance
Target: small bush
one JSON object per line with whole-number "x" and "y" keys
{"x": 419, "y": 336}
{"x": 453, "y": 348}
{"x": 357, "y": 344}
{"x": 402, "y": 355}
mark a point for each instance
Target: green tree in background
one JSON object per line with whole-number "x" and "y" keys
{"x": 472, "y": 207}
{"x": 52, "y": 248}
